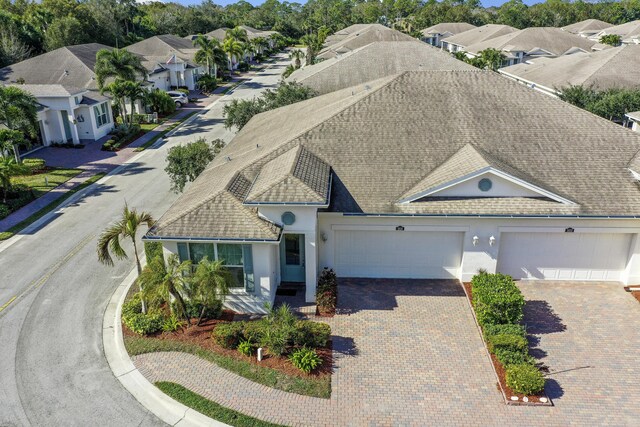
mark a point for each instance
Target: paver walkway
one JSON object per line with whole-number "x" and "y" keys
{"x": 408, "y": 353}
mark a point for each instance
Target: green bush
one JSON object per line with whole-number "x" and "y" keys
{"x": 510, "y": 357}
{"x": 311, "y": 334}
{"x": 511, "y": 329}
{"x": 34, "y": 164}
{"x": 253, "y": 331}
{"x": 327, "y": 291}
{"x": 132, "y": 307}
{"x": 207, "y": 83}
{"x": 160, "y": 102}
{"x": 243, "y": 66}
{"x": 525, "y": 379}
{"x": 245, "y": 347}
{"x": 144, "y": 324}
{"x": 211, "y": 311}
{"x": 152, "y": 250}
{"x": 496, "y": 299}
{"x": 507, "y": 341}
{"x": 275, "y": 338}
{"x": 228, "y": 335}
{"x": 4, "y": 211}
{"x": 108, "y": 145}
{"x": 172, "y": 323}
{"x": 305, "y": 359}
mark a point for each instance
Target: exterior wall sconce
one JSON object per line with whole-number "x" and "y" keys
{"x": 475, "y": 240}
{"x": 324, "y": 236}
{"x": 492, "y": 241}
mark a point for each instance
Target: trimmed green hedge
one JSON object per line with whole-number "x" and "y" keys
{"x": 496, "y": 299}
{"x": 525, "y": 378}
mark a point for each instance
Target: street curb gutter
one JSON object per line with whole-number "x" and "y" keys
{"x": 149, "y": 396}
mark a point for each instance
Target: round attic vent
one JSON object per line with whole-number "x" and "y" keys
{"x": 288, "y": 218}
{"x": 485, "y": 184}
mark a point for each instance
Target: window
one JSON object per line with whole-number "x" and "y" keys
{"x": 101, "y": 113}
{"x": 238, "y": 259}
{"x": 292, "y": 249}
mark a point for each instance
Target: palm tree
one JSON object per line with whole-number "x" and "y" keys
{"x": 18, "y": 111}
{"x": 126, "y": 227}
{"x": 134, "y": 91}
{"x": 314, "y": 45}
{"x": 210, "y": 53}
{"x": 238, "y": 33}
{"x": 297, "y": 55}
{"x": 118, "y": 90}
{"x": 260, "y": 43}
{"x": 118, "y": 63}
{"x": 233, "y": 48}
{"x": 9, "y": 167}
{"x": 163, "y": 282}
{"x": 211, "y": 283}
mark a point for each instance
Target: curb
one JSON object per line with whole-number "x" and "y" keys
{"x": 149, "y": 396}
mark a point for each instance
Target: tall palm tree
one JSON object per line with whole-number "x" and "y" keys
{"x": 238, "y": 33}
{"x": 260, "y": 44}
{"x": 210, "y": 53}
{"x": 9, "y": 167}
{"x": 18, "y": 111}
{"x": 165, "y": 282}
{"x": 233, "y": 48}
{"x": 126, "y": 228}
{"x": 134, "y": 91}
{"x": 117, "y": 63}
{"x": 211, "y": 283}
{"x": 118, "y": 90}
{"x": 296, "y": 55}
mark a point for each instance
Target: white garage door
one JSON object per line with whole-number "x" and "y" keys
{"x": 564, "y": 256}
{"x": 393, "y": 254}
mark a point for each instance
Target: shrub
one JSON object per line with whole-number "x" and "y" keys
{"x": 275, "y": 338}
{"x": 525, "y": 379}
{"x": 508, "y": 342}
{"x": 34, "y": 164}
{"x": 207, "y": 83}
{"x": 4, "y": 211}
{"x": 327, "y": 291}
{"x": 172, "y": 323}
{"x": 243, "y": 66}
{"x": 152, "y": 250}
{"x": 144, "y": 324}
{"x": 212, "y": 311}
{"x": 160, "y": 102}
{"x": 253, "y": 331}
{"x": 108, "y": 145}
{"x": 311, "y": 334}
{"x": 228, "y": 335}
{"x": 305, "y": 359}
{"x": 132, "y": 307}
{"x": 511, "y": 329}
{"x": 245, "y": 347}
{"x": 510, "y": 357}
{"x": 496, "y": 299}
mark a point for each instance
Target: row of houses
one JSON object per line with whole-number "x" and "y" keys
{"x": 70, "y": 107}
{"x": 412, "y": 164}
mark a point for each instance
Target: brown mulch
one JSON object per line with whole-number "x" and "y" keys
{"x": 502, "y": 374}
{"x": 201, "y": 336}
{"x": 635, "y": 294}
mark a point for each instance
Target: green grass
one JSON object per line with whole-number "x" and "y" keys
{"x": 163, "y": 133}
{"x": 51, "y": 206}
{"x": 209, "y": 408}
{"x": 54, "y": 177}
{"x": 311, "y": 386}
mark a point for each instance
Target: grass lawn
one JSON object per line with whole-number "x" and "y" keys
{"x": 37, "y": 183}
{"x": 163, "y": 133}
{"x": 316, "y": 387}
{"x": 209, "y": 408}
{"x": 51, "y": 206}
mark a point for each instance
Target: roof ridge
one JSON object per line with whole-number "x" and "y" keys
{"x": 78, "y": 59}
{"x": 621, "y": 48}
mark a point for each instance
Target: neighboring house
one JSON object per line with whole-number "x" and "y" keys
{"x": 373, "y": 61}
{"x": 71, "y": 109}
{"x": 629, "y": 32}
{"x": 460, "y": 42}
{"x": 221, "y": 33}
{"x": 434, "y": 35}
{"x": 587, "y": 28}
{"x": 633, "y": 121}
{"x": 422, "y": 175}
{"x": 369, "y": 34}
{"x": 617, "y": 67}
{"x": 531, "y": 43}
{"x": 172, "y": 57}
{"x": 344, "y": 33}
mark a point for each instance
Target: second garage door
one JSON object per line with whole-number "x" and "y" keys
{"x": 564, "y": 256}
{"x": 393, "y": 254}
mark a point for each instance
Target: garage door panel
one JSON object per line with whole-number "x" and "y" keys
{"x": 564, "y": 256}
{"x": 392, "y": 254}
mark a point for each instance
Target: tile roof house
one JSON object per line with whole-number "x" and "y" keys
{"x": 461, "y": 42}
{"x": 630, "y": 32}
{"x": 535, "y": 42}
{"x": 369, "y": 34}
{"x": 422, "y": 174}
{"x": 617, "y": 67}
{"x": 370, "y": 62}
{"x": 633, "y": 120}
{"x": 587, "y": 28}
{"x": 64, "y": 84}
{"x": 434, "y": 34}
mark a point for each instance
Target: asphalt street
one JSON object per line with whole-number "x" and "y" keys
{"x": 53, "y": 291}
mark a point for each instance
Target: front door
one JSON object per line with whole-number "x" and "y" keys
{"x": 67, "y": 126}
{"x": 292, "y": 258}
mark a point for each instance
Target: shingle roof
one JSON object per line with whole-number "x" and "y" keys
{"x": 629, "y": 31}
{"x": 161, "y": 48}
{"x": 370, "y": 34}
{"x": 448, "y": 27}
{"x": 218, "y": 33}
{"x": 343, "y": 33}
{"x": 382, "y": 142}
{"x": 635, "y": 115}
{"x": 373, "y": 61}
{"x": 480, "y": 34}
{"x": 550, "y": 39}
{"x": 46, "y": 91}
{"x": 612, "y": 68}
{"x": 70, "y": 66}
{"x": 588, "y": 25}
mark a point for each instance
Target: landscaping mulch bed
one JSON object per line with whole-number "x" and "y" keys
{"x": 201, "y": 336}
{"x": 537, "y": 400}
{"x": 634, "y": 293}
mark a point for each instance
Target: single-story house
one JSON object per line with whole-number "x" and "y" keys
{"x": 633, "y": 121}
{"x": 618, "y": 67}
{"x": 460, "y": 42}
{"x": 629, "y": 32}
{"x": 369, "y": 34}
{"x": 423, "y": 174}
{"x": 531, "y": 43}
{"x": 587, "y": 28}
{"x": 344, "y": 33}
{"x": 375, "y": 60}
{"x": 436, "y": 33}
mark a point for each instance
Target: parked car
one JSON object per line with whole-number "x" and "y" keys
{"x": 180, "y": 98}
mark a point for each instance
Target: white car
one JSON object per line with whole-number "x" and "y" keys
{"x": 178, "y": 97}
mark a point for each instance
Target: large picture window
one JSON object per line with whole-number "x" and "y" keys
{"x": 102, "y": 114}
{"x": 238, "y": 259}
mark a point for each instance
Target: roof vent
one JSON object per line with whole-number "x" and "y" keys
{"x": 66, "y": 72}
{"x": 228, "y": 158}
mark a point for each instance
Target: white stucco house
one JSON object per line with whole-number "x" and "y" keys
{"x": 422, "y": 174}
{"x": 435, "y": 34}
{"x": 633, "y": 121}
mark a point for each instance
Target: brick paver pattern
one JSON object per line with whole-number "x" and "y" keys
{"x": 407, "y": 352}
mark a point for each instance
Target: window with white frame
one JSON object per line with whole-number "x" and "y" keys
{"x": 238, "y": 259}
{"x": 102, "y": 114}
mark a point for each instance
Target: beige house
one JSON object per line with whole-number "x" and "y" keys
{"x": 460, "y": 42}
{"x": 368, "y": 34}
{"x": 629, "y": 32}
{"x": 436, "y": 33}
{"x": 587, "y": 28}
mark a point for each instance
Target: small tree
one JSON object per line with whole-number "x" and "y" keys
{"x": 186, "y": 162}
{"x": 611, "y": 39}
{"x": 211, "y": 284}
{"x": 160, "y": 281}
{"x": 10, "y": 140}
{"x": 160, "y": 102}
{"x": 9, "y": 167}
{"x": 297, "y": 55}
{"x": 18, "y": 111}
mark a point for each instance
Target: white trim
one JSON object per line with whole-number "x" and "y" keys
{"x": 356, "y": 227}
{"x": 584, "y": 230}
{"x": 493, "y": 171}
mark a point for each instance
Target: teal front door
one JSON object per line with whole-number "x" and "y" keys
{"x": 292, "y": 258}
{"x": 67, "y": 126}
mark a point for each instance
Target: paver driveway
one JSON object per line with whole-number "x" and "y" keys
{"x": 408, "y": 353}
